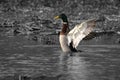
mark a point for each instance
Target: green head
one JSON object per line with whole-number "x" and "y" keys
{"x": 63, "y": 17}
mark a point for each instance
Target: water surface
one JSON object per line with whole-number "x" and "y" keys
{"x": 18, "y": 55}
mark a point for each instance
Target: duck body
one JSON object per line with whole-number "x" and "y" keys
{"x": 64, "y": 43}
{"x": 63, "y": 38}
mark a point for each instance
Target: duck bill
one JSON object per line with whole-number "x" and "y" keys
{"x": 56, "y": 17}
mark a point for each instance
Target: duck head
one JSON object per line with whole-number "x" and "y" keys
{"x": 63, "y": 17}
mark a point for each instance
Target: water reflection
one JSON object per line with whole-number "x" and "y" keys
{"x": 74, "y": 67}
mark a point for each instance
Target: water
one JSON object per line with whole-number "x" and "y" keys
{"x": 18, "y": 55}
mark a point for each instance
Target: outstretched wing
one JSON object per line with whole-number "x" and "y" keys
{"x": 80, "y": 31}
{"x": 98, "y": 34}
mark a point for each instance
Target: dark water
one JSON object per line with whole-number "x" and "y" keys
{"x": 19, "y": 55}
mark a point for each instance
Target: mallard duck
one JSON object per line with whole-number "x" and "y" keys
{"x": 70, "y": 39}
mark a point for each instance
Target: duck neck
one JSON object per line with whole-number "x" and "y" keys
{"x": 65, "y": 28}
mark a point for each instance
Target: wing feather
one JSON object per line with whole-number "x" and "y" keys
{"x": 80, "y": 31}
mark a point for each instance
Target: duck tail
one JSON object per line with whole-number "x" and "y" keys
{"x": 72, "y": 48}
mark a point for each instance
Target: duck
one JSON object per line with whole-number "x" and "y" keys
{"x": 70, "y": 39}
